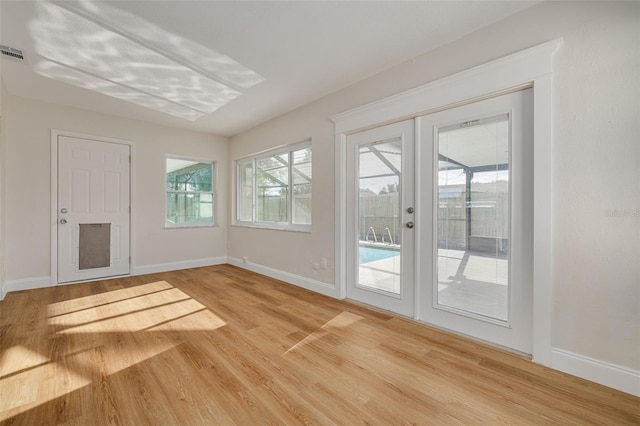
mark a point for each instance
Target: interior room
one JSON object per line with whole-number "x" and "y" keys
{"x": 319, "y": 212}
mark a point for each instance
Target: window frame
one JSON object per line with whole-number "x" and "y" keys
{"x": 214, "y": 169}
{"x": 252, "y": 159}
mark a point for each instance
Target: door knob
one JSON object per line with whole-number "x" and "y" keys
{"x": 409, "y": 225}
{"x": 63, "y": 221}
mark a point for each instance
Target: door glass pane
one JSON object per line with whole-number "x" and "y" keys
{"x": 379, "y": 168}
{"x": 473, "y": 217}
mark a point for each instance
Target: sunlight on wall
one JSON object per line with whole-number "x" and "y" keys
{"x": 106, "y": 50}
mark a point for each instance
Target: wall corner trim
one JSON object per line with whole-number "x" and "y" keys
{"x": 297, "y": 280}
{"x": 610, "y": 375}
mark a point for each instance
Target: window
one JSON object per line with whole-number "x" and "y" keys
{"x": 189, "y": 192}
{"x": 274, "y": 189}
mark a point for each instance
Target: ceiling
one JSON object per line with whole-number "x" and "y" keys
{"x": 219, "y": 67}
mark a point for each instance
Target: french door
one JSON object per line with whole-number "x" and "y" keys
{"x": 380, "y": 218}
{"x": 93, "y": 209}
{"x": 476, "y": 220}
{"x": 467, "y": 264}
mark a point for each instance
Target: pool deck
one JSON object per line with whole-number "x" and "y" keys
{"x": 467, "y": 281}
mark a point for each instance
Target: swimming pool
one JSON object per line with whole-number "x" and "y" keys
{"x": 371, "y": 254}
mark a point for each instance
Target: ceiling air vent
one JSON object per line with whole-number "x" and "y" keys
{"x": 11, "y": 53}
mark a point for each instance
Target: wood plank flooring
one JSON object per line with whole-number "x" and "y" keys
{"x": 220, "y": 345}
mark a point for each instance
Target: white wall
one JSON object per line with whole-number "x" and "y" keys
{"x": 596, "y": 166}
{"x": 3, "y": 138}
{"x": 28, "y": 174}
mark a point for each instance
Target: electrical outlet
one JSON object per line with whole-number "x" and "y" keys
{"x": 324, "y": 263}
{"x": 245, "y": 259}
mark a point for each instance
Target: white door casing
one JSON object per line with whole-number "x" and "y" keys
{"x": 532, "y": 67}
{"x": 93, "y": 193}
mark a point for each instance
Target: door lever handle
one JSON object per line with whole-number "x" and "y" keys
{"x": 409, "y": 225}
{"x": 63, "y": 221}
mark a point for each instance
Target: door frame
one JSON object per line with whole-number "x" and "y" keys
{"x": 404, "y": 302}
{"x": 532, "y": 67}
{"x": 55, "y": 133}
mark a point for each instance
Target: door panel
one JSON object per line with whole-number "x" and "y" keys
{"x": 93, "y": 199}
{"x": 381, "y": 251}
{"x": 476, "y": 199}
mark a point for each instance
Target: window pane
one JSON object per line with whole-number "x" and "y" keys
{"x": 272, "y": 188}
{"x": 301, "y": 186}
{"x": 185, "y": 175}
{"x": 189, "y": 208}
{"x": 275, "y": 188}
{"x": 245, "y": 198}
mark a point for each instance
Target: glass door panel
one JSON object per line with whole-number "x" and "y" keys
{"x": 379, "y": 218}
{"x": 475, "y": 202}
{"x": 473, "y": 217}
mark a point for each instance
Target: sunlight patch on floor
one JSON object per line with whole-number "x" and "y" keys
{"x": 101, "y": 334}
{"x": 17, "y": 358}
{"x": 342, "y": 320}
{"x": 91, "y": 302}
{"x": 26, "y": 389}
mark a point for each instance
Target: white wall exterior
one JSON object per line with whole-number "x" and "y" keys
{"x": 595, "y": 172}
{"x": 28, "y": 172}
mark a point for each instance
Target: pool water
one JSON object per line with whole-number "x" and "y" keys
{"x": 371, "y": 254}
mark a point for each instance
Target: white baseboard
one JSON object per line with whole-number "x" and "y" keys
{"x": 25, "y": 284}
{"x": 175, "y": 266}
{"x": 613, "y": 376}
{"x": 297, "y": 280}
{"x": 40, "y": 282}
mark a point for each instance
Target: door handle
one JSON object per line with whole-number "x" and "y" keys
{"x": 63, "y": 221}
{"x": 409, "y": 225}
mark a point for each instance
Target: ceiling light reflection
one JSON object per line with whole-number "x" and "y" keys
{"x": 77, "y": 50}
{"x": 228, "y": 70}
{"x": 77, "y": 78}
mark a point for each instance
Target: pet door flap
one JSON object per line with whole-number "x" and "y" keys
{"x": 94, "y": 245}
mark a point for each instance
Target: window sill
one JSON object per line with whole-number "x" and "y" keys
{"x": 306, "y": 229}
{"x": 190, "y": 226}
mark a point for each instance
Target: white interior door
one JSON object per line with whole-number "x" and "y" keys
{"x": 380, "y": 217}
{"x": 476, "y": 220}
{"x": 93, "y": 209}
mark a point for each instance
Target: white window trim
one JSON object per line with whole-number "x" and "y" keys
{"x": 279, "y": 226}
{"x": 214, "y": 178}
{"x": 528, "y": 68}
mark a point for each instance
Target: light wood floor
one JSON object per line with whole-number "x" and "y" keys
{"x": 220, "y": 345}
